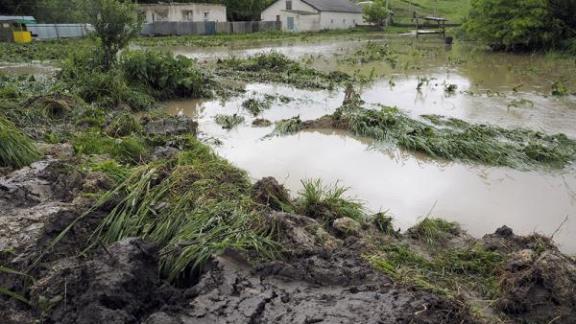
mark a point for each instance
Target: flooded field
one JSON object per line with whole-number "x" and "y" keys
{"x": 408, "y": 186}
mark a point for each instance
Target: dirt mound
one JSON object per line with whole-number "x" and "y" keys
{"x": 538, "y": 283}
{"x": 268, "y": 192}
{"x": 118, "y": 285}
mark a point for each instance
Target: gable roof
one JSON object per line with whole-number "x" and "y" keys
{"x": 334, "y": 5}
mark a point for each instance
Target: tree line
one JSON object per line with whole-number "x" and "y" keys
{"x": 71, "y": 11}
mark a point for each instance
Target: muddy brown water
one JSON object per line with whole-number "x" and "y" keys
{"x": 500, "y": 89}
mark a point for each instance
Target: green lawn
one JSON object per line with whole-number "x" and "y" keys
{"x": 454, "y": 10}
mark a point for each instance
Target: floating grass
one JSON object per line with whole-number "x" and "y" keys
{"x": 16, "y": 149}
{"x": 288, "y": 126}
{"x": 256, "y": 106}
{"x": 229, "y": 121}
{"x": 454, "y": 139}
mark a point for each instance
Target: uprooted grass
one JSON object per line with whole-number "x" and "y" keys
{"x": 446, "y": 271}
{"x": 130, "y": 149}
{"x": 229, "y": 121}
{"x": 327, "y": 203}
{"x": 276, "y": 67}
{"x": 454, "y": 139}
{"x": 256, "y": 106}
{"x": 193, "y": 207}
{"x": 288, "y": 126}
{"x": 16, "y": 149}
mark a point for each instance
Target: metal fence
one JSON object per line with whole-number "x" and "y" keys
{"x": 57, "y": 31}
{"x": 168, "y": 28}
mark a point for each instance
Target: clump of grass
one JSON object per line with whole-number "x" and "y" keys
{"x": 446, "y": 272}
{"x": 373, "y": 52}
{"x": 112, "y": 169}
{"x": 276, "y": 67}
{"x": 327, "y": 202}
{"x": 288, "y": 126}
{"x": 454, "y": 139}
{"x": 383, "y": 223}
{"x": 124, "y": 124}
{"x": 255, "y": 106}
{"x": 559, "y": 89}
{"x": 127, "y": 149}
{"x": 164, "y": 75}
{"x": 16, "y": 149}
{"x": 434, "y": 230}
{"x": 193, "y": 208}
{"x": 229, "y": 121}
{"x": 450, "y": 89}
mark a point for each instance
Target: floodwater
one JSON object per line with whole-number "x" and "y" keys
{"x": 411, "y": 186}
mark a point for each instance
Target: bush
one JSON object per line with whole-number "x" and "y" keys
{"x": 16, "y": 149}
{"x": 522, "y": 25}
{"x": 164, "y": 76}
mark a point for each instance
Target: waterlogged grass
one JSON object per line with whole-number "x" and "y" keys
{"x": 194, "y": 207}
{"x": 16, "y": 149}
{"x": 55, "y": 50}
{"x": 434, "y": 231}
{"x": 446, "y": 271}
{"x": 454, "y": 139}
{"x": 276, "y": 67}
{"x": 288, "y": 126}
{"x": 373, "y": 52}
{"x": 229, "y": 121}
{"x": 256, "y": 106}
{"x": 327, "y": 202}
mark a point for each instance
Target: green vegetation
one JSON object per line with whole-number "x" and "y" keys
{"x": 229, "y": 121}
{"x": 454, "y": 10}
{"x": 123, "y": 124}
{"x": 193, "y": 207}
{"x": 255, "y": 106}
{"x": 129, "y": 149}
{"x": 446, "y": 271}
{"x": 434, "y": 231}
{"x": 115, "y": 24}
{"x": 327, "y": 203}
{"x": 454, "y": 139}
{"x": 373, "y": 52}
{"x": 377, "y": 13}
{"x": 523, "y": 25}
{"x": 16, "y": 149}
{"x": 288, "y": 126}
{"x": 276, "y": 67}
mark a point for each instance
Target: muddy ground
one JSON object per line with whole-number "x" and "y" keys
{"x": 321, "y": 278}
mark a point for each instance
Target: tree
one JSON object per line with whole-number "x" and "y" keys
{"x": 115, "y": 23}
{"x": 522, "y": 24}
{"x": 376, "y": 13}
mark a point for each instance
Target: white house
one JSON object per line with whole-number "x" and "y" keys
{"x": 183, "y": 12}
{"x": 314, "y": 15}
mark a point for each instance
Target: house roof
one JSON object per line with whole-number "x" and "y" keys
{"x": 334, "y": 5}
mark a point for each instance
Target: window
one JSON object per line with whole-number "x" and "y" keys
{"x": 354, "y": 21}
{"x": 289, "y": 5}
{"x": 331, "y": 21}
{"x": 344, "y": 21}
{"x": 277, "y": 17}
{"x": 188, "y": 15}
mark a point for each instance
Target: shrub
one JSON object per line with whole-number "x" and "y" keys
{"x": 164, "y": 76}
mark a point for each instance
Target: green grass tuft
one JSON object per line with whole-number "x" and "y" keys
{"x": 434, "y": 230}
{"x": 16, "y": 149}
{"x": 327, "y": 202}
{"x": 229, "y": 121}
{"x": 288, "y": 126}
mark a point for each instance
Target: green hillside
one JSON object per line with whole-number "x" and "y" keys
{"x": 454, "y": 10}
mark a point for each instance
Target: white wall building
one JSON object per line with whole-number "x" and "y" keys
{"x": 197, "y": 12}
{"x": 314, "y": 15}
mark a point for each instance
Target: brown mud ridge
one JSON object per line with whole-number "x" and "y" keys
{"x": 323, "y": 278}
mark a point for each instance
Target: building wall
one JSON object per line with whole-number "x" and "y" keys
{"x": 314, "y": 21}
{"x": 184, "y": 12}
{"x": 302, "y": 22}
{"x": 339, "y": 20}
